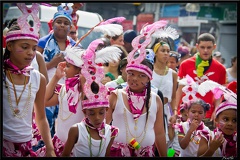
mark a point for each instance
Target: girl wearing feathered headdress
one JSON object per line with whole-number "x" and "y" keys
{"x": 91, "y": 137}
{"x": 140, "y": 109}
{"x": 24, "y": 88}
{"x": 222, "y": 141}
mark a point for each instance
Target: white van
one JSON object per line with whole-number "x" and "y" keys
{"x": 86, "y": 21}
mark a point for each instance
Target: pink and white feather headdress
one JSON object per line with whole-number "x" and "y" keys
{"x": 93, "y": 71}
{"x": 135, "y": 63}
{"x": 26, "y": 31}
{"x": 166, "y": 32}
{"x": 109, "y": 27}
{"x": 218, "y": 91}
{"x": 190, "y": 89}
{"x": 73, "y": 55}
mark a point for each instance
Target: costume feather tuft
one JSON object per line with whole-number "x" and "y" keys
{"x": 108, "y": 54}
{"x": 166, "y": 32}
{"x": 109, "y": 29}
{"x": 154, "y": 26}
{"x": 207, "y": 86}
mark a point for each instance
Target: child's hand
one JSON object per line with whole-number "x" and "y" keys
{"x": 216, "y": 142}
{"x": 60, "y": 70}
{"x": 193, "y": 125}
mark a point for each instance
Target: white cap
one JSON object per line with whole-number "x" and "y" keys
{"x": 217, "y": 54}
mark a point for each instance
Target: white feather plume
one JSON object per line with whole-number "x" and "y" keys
{"x": 207, "y": 86}
{"x": 74, "y": 55}
{"x": 109, "y": 29}
{"x": 166, "y": 32}
{"x": 108, "y": 54}
{"x": 182, "y": 81}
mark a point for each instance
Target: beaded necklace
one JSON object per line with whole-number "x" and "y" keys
{"x": 14, "y": 89}
{"x": 16, "y": 110}
{"x": 90, "y": 144}
{"x": 127, "y": 128}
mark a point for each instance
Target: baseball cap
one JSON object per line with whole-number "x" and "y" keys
{"x": 217, "y": 54}
{"x": 129, "y": 35}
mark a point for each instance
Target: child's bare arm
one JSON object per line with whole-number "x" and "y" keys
{"x": 72, "y": 139}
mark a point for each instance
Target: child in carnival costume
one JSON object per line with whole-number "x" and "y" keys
{"x": 92, "y": 137}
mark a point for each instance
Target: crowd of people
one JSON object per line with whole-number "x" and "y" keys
{"x": 125, "y": 95}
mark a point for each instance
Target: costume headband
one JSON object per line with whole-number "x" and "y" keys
{"x": 74, "y": 55}
{"x": 135, "y": 63}
{"x": 157, "y": 45}
{"x": 26, "y": 31}
{"x": 65, "y": 13}
{"x": 224, "y": 106}
{"x": 93, "y": 71}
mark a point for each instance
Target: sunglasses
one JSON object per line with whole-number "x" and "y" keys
{"x": 72, "y": 32}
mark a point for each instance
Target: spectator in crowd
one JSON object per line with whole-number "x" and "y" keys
{"x": 232, "y": 71}
{"x": 184, "y": 51}
{"x": 173, "y": 61}
{"x": 73, "y": 33}
{"x": 111, "y": 69}
{"x": 218, "y": 56}
{"x": 128, "y": 36}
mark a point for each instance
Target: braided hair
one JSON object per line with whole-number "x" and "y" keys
{"x": 150, "y": 65}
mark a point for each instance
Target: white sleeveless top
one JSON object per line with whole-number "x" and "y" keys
{"x": 81, "y": 148}
{"x": 34, "y": 63}
{"x": 230, "y": 78}
{"x": 164, "y": 83}
{"x": 66, "y": 118}
{"x": 16, "y": 129}
{"x": 123, "y": 119}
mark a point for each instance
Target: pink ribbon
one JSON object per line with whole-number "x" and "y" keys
{"x": 72, "y": 89}
{"x": 14, "y": 69}
{"x": 136, "y": 102}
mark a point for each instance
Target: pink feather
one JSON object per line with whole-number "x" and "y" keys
{"x": 155, "y": 25}
{"x": 112, "y": 20}
{"x": 217, "y": 92}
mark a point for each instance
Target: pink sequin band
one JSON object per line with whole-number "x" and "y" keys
{"x": 224, "y": 106}
{"x": 89, "y": 105}
{"x": 141, "y": 68}
{"x": 11, "y": 36}
{"x": 26, "y": 31}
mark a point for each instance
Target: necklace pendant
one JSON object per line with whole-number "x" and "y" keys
{"x": 135, "y": 128}
{"x": 16, "y": 111}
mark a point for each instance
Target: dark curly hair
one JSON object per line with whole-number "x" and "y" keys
{"x": 206, "y": 106}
